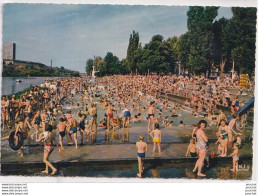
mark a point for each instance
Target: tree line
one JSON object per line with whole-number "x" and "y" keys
{"x": 35, "y": 70}
{"x": 208, "y": 45}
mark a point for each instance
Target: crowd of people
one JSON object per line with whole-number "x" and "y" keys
{"x": 41, "y": 112}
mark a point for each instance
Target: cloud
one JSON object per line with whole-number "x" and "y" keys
{"x": 70, "y": 34}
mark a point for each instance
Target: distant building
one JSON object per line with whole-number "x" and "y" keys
{"x": 9, "y": 51}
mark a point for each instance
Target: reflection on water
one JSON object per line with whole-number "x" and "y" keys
{"x": 120, "y": 135}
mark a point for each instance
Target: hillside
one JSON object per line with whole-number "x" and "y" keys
{"x": 23, "y": 68}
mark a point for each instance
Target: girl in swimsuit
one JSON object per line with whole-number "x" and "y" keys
{"x": 235, "y": 157}
{"x": 223, "y": 133}
{"x": 201, "y": 147}
{"x": 44, "y": 119}
{"x": 231, "y": 125}
{"x": 48, "y": 137}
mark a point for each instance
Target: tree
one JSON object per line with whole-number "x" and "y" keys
{"x": 184, "y": 51}
{"x": 112, "y": 64}
{"x": 199, "y": 23}
{"x": 221, "y": 55}
{"x": 240, "y": 35}
{"x": 132, "y": 50}
{"x": 156, "y": 56}
{"x": 89, "y": 66}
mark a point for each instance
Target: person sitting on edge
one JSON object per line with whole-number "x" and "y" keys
{"x": 191, "y": 149}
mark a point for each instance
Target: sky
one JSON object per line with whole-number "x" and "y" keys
{"x": 71, "y": 34}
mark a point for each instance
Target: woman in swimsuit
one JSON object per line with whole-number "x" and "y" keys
{"x": 231, "y": 126}
{"x": 48, "y": 137}
{"x": 44, "y": 119}
{"x": 36, "y": 121}
{"x": 223, "y": 133}
{"x": 201, "y": 147}
{"x": 4, "y": 105}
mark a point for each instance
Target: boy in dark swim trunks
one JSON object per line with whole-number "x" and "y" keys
{"x": 72, "y": 124}
{"x": 61, "y": 129}
{"x": 141, "y": 147}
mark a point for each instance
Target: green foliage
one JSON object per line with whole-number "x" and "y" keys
{"x": 35, "y": 70}
{"x": 132, "y": 51}
{"x": 239, "y": 39}
{"x": 207, "y": 44}
{"x": 156, "y": 56}
{"x": 200, "y": 24}
{"x": 89, "y": 66}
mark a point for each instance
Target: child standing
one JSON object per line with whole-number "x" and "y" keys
{"x": 235, "y": 157}
{"x": 238, "y": 139}
{"x": 156, "y": 136}
{"x": 220, "y": 146}
{"x": 141, "y": 147}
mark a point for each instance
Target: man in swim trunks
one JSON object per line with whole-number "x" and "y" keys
{"x": 127, "y": 116}
{"x": 72, "y": 124}
{"x": 61, "y": 127}
{"x": 92, "y": 117}
{"x": 151, "y": 116}
{"x": 156, "y": 136}
{"x": 109, "y": 110}
{"x": 141, "y": 147}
